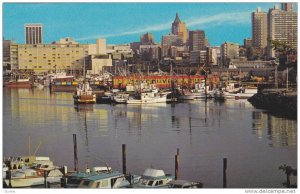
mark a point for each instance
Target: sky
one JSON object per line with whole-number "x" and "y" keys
{"x": 125, "y": 22}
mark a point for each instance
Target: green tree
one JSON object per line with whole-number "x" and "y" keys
{"x": 250, "y": 53}
{"x": 288, "y": 170}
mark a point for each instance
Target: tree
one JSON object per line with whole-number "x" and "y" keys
{"x": 288, "y": 171}
{"x": 250, "y": 53}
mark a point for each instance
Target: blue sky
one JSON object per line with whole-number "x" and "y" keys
{"x": 126, "y": 22}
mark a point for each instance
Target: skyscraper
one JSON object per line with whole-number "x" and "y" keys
{"x": 282, "y": 26}
{"x": 34, "y": 33}
{"x": 197, "y": 40}
{"x": 179, "y": 28}
{"x": 287, "y": 6}
{"x": 147, "y": 39}
{"x": 259, "y": 29}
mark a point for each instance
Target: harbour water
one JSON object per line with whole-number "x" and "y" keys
{"x": 254, "y": 142}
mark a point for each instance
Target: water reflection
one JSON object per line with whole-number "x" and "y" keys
{"x": 205, "y": 131}
{"x": 279, "y": 131}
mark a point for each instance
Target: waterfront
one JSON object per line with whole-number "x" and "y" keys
{"x": 255, "y": 143}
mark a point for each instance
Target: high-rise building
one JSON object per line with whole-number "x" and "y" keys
{"x": 287, "y": 6}
{"x": 34, "y": 33}
{"x": 171, "y": 40}
{"x": 179, "y": 28}
{"x": 259, "y": 29}
{"x": 147, "y": 39}
{"x": 247, "y": 42}
{"x": 282, "y": 26}
{"x": 229, "y": 51}
{"x": 197, "y": 40}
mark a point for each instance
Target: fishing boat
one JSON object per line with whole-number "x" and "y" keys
{"x": 120, "y": 97}
{"x": 154, "y": 178}
{"x": 112, "y": 179}
{"x": 28, "y": 177}
{"x": 84, "y": 94}
{"x": 19, "y": 83}
{"x": 183, "y": 184}
{"x": 148, "y": 97}
{"x": 186, "y": 95}
{"x": 34, "y": 175}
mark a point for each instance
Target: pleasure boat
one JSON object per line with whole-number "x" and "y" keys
{"x": 154, "y": 178}
{"x": 107, "y": 180}
{"x": 183, "y": 184}
{"x": 73, "y": 179}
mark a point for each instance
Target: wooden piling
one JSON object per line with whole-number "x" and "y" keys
{"x": 45, "y": 179}
{"x": 9, "y": 178}
{"x": 124, "y": 158}
{"x": 176, "y": 166}
{"x": 224, "y": 172}
{"x": 75, "y": 153}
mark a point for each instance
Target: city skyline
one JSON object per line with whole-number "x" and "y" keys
{"x": 119, "y": 24}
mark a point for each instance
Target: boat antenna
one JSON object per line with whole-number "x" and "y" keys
{"x": 37, "y": 148}
{"x": 29, "y": 145}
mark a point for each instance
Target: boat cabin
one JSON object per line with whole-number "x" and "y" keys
{"x": 154, "y": 178}
{"x": 184, "y": 184}
{"x": 105, "y": 181}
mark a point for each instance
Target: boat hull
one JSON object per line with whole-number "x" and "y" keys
{"x": 18, "y": 84}
{"x": 30, "y": 182}
{"x": 84, "y": 99}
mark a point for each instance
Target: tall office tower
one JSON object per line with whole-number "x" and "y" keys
{"x": 197, "y": 40}
{"x": 287, "y": 6}
{"x": 282, "y": 26}
{"x": 34, "y": 33}
{"x": 179, "y": 28}
{"x": 259, "y": 29}
{"x": 147, "y": 39}
{"x": 171, "y": 40}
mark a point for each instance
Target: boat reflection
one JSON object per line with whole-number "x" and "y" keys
{"x": 279, "y": 131}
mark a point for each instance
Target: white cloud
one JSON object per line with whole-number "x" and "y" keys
{"x": 208, "y": 21}
{"x": 228, "y": 18}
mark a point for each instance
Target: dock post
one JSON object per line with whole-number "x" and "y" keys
{"x": 176, "y": 166}
{"x": 45, "y": 179}
{"x": 124, "y": 157}
{"x": 224, "y": 172}
{"x": 75, "y": 153}
{"x": 9, "y": 178}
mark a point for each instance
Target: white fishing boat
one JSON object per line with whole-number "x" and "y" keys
{"x": 34, "y": 176}
{"x": 154, "y": 178}
{"x": 186, "y": 95}
{"x": 248, "y": 92}
{"x": 148, "y": 97}
{"x": 120, "y": 97}
{"x": 84, "y": 94}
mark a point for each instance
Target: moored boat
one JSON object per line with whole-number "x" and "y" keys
{"x": 154, "y": 178}
{"x": 19, "y": 83}
{"x": 183, "y": 184}
{"x": 112, "y": 179}
{"x": 84, "y": 94}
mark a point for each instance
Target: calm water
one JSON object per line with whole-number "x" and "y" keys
{"x": 255, "y": 143}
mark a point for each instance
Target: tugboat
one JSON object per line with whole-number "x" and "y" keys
{"x": 84, "y": 94}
